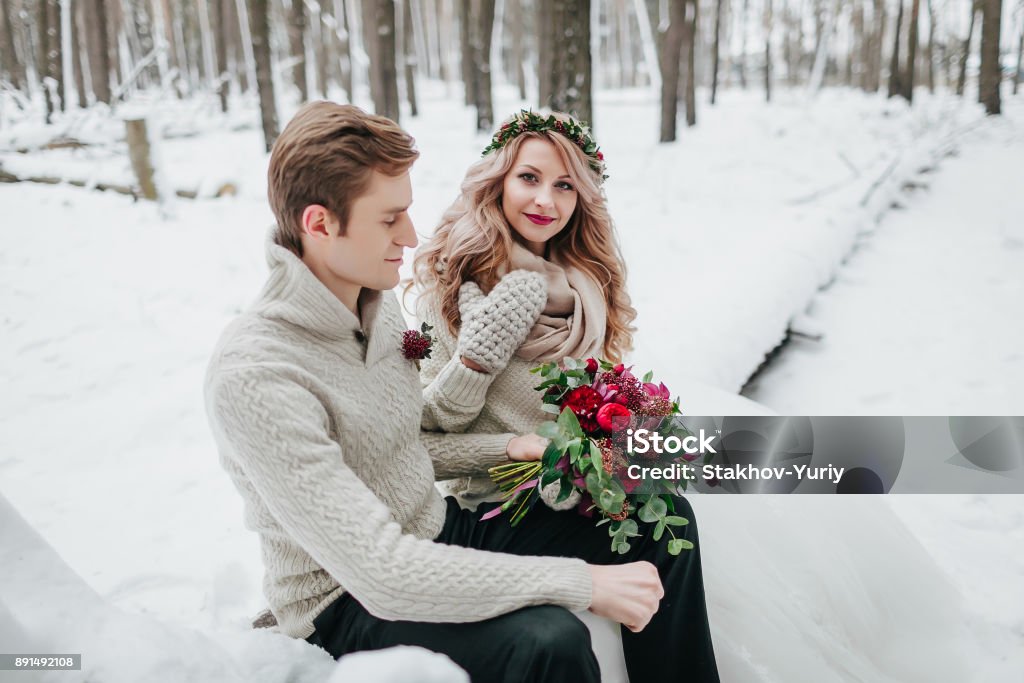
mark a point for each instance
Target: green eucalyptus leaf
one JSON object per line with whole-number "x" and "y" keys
{"x": 648, "y": 377}
{"x": 675, "y": 546}
{"x": 550, "y": 408}
{"x": 658, "y": 507}
{"x": 659, "y": 530}
{"x": 676, "y": 521}
{"x": 647, "y": 514}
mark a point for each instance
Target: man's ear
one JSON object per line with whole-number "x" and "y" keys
{"x": 318, "y": 221}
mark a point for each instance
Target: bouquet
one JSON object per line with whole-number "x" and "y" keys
{"x": 588, "y": 450}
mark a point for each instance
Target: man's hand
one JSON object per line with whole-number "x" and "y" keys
{"x": 526, "y": 447}
{"x": 626, "y": 593}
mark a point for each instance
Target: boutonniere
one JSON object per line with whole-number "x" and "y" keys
{"x": 417, "y": 344}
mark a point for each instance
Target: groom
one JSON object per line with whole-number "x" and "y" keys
{"x": 316, "y": 414}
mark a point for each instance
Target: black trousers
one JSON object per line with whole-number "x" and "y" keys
{"x": 549, "y": 643}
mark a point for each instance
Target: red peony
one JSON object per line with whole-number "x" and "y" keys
{"x": 584, "y": 402}
{"x": 607, "y": 413}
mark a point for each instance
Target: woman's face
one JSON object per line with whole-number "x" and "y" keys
{"x": 538, "y": 196}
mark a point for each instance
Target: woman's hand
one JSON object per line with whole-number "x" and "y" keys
{"x": 526, "y": 447}
{"x": 496, "y": 324}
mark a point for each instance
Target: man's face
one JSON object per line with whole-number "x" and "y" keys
{"x": 379, "y": 230}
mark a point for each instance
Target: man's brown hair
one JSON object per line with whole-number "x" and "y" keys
{"x": 327, "y": 155}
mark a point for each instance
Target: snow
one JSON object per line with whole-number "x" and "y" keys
{"x": 111, "y": 307}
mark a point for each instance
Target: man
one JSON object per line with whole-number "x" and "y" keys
{"x": 316, "y": 414}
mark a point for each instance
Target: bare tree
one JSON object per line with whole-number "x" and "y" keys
{"x": 466, "y": 50}
{"x": 297, "y": 44}
{"x": 480, "y": 54}
{"x": 671, "y": 54}
{"x": 14, "y": 68}
{"x": 98, "y": 49}
{"x": 907, "y": 82}
{"x": 220, "y": 39}
{"x": 518, "y": 49}
{"x": 768, "y": 51}
{"x": 379, "y": 24}
{"x": 690, "y": 57}
{"x": 259, "y": 29}
{"x": 930, "y": 52}
{"x": 409, "y": 57}
{"x": 961, "y": 79}
{"x": 895, "y": 85}
{"x": 569, "y": 75}
{"x": 1020, "y": 58}
{"x": 991, "y": 73}
{"x": 715, "y": 50}
{"x": 77, "y": 57}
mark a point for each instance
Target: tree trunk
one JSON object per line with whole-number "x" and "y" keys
{"x": 570, "y": 73}
{"x": 297, "y": 46}
{"x": 768, "y": 51}
{"x": 409, "y": 53}
{"x": 99, "y": 52}
{"x": 991, "y": 74}
{"x": 319, "y": 41}
{"x": 895, "y": 86}
{"x": 344, "y": 32}
{"x": 480, "y": 41}
{"x": 259, "y": 29}
{"x": 545, "y": 52}
{"x": 515, "y": 8}
{"x": 14, "y": 67}
{"x": 742, "y": 71}
{"x": 220, "y": 39}
{"x": 907, "y": 83}
{"x": 141, "y": 158}
{"x": 77, "y": 56}
{"x": 1020, "y": 60}
{"x": 715, "y": 50}
{"x": 671, "y": 55}
{"x": 961, "y": 79}
{"x": 930, "y": 52}
{"x": 466, "y": 50}
{"x": 690, "y": 50}
{"x": 379, "y": 20}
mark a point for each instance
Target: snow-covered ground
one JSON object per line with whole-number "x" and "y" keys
{"x": 111, "y": 307}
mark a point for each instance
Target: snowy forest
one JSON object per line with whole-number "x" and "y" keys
{"x": 818, "y": 203}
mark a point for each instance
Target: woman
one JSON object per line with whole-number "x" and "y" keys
{"x": 524, "y": 268}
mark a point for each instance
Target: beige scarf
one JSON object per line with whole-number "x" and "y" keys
{"x": 574, "y": 319}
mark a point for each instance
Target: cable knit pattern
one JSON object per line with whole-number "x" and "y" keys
{"x": 493, "y": 326}
{"x": 460, "y": 400}
{"x": 317, "y": 421}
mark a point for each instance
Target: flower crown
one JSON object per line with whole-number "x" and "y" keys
{"x": 574, "y": 130}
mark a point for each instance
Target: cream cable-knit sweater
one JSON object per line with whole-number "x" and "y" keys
{"x": 460, "y": 400}
{"x": 317, "y": 420}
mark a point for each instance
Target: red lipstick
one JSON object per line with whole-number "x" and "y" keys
{"x": 539, "y": 220}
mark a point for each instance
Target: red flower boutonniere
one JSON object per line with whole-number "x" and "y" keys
{"x": 416, "y": 344}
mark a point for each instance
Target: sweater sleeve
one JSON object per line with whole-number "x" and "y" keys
{"x": 453, "y": 395}
{"x": 465, "y": 455}
{"x": 277, "y": 431}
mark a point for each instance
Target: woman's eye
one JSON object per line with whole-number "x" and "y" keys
{"x": 565, "y": 186}
{"x": 390, "y": 222}
{"x": 528, "y": 177}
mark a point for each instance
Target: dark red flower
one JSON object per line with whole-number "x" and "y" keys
{"x": 416, "y": 344}
{"x": 612, "y": 415}
{"x": 600, "y": 155}
{"x": 584, "y": 402}
{"x": 592, "y": 365}
{"x": 619, "y": 369}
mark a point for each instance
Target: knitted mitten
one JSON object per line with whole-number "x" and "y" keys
{"x": 549, "y": 494}
{"x": 494, "y": 326}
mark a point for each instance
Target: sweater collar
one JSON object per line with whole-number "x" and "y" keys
{"x": 294, "y": 295}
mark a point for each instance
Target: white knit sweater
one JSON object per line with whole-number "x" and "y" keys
{"x": 317, "y": 420}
